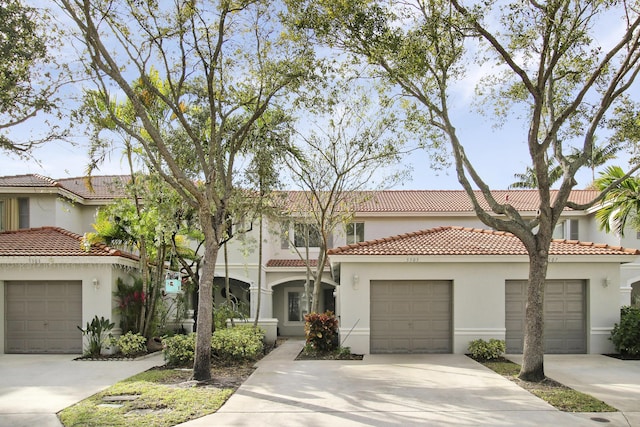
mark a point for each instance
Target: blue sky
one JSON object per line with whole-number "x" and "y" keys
{"x": 497, "y": 153}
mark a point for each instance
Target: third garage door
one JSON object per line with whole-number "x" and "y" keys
{"x": 411, "y": 316}
{"x": 564, "y": 316}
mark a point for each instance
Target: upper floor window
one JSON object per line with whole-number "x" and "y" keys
{"x": 568, "y": 229}
{"x": 14, "y": 213}
{"x": 355, "y": 232}
{"x": 23, "y": 212}
{"x": 306, "y": 235}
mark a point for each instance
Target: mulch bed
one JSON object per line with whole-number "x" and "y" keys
{"x": 328, "y": 356}
{"x": 624, "y": 356}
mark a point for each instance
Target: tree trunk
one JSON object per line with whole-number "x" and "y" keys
{"x": 153, "y": 297}
{"x": 259, "y": 297}
{"x": 533, "y": 353}
{"x": 202, "y": 357}
{"x": 317, "y": 284}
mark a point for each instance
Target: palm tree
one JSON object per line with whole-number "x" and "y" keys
{"x": 599, "y": 156}
{"x": 622, "y": 204}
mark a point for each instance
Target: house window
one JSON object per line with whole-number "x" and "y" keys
{"x": 306, "y": 235}
{"x": 558, "y": 232}
{"x": 568, "y": 229}
{"x": 573, "y": 229}
{"x": 23, "y": 212}
{"x": 355, "y": 232}
{"x": 14, "y": 213}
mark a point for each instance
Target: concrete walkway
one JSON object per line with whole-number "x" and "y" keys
{"x": 33, "y": 388}
{"x": 394, "y": 390}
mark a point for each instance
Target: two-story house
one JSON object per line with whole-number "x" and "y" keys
{"x": 413, "y": 271}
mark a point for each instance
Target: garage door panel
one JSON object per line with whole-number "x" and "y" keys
{"x": 574, "y": 307}
{"x": 564, "y": 316}
{"x": 42, "y": 317}
{"x": 554, "y": 307}
{"x": 410, "y": 317}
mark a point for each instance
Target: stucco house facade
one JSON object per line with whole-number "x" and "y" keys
{"x": 476, "y": 291}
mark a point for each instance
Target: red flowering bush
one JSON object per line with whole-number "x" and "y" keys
{"x": 321, "y": 331}
{"x": 131, "y": 299}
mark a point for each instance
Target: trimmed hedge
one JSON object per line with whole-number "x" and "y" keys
{"x": 626, "y": 335}
{"x": 483, "y": 350}
{"x": 228, "y": 345}
{"x": 131, "y": 344}
{"x": 242, "y": 342}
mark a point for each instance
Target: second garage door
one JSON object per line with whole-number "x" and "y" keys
{"x": 411, "y": 316}
{"x": 42, "y": 317}
{"x": 564, "y": 316}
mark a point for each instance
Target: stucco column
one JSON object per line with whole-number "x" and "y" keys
{"x": 266, "y": 302}
{"x": 625, "y": 295}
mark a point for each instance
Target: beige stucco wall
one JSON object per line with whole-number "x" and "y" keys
{"x": 96, "y": 301}
{"x": 478, "y": 295}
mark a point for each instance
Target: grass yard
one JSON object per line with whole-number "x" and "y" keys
{"x": 156, "y": 398}
{"x": 552, "y": 392}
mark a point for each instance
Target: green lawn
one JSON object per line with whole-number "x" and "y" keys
{"x": 552, "y": 392}
{"x": 161, "y": 397}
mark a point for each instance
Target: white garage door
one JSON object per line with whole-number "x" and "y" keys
{"x": 564, "y": 316}
{"x": 42, "y": 317}
{"x": 411, "y": 316}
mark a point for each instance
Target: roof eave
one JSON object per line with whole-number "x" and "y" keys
{"x": 419, "y": 259}
{"x": 47, "y": 260}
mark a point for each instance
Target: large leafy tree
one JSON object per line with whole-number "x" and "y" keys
{"x": 354, "y": 146}
{"x": 29, "y": 77}
{"x": 542, "y": 65}
{"x": 198, "y": 76}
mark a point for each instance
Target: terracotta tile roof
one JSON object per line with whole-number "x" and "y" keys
{"x": 469, "y": 241}
{"x": 51, "y": 241}
{"x": 436, "y": 201}
{"x": 102, "y": 187}
{"x": 32, "y": 180}
{"x": 291, "y": 263}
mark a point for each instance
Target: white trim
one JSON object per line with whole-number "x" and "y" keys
{"x": 302, "y": 278}
{"x": 480, "y": 331}
{"x": 601, "y": 330}
{"x": 36, "y": 261}
{"x": 355, "y": 332}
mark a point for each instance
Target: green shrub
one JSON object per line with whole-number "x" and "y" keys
{"x": 131, "y": 344}
{"x": 483, "y": 350}
{"x": 224, "y": 312}
{"x": 626, "y": 335}
{"x": 97, "y": 333}
{"x": 321, "y": 331}
{"x": 242, "y": 342}
{"x": 179, "y": 350}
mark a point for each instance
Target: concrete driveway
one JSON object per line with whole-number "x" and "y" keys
{"x": 395, "y": 390}
{"x": 33, "y": 388}
{"x": 614, "y": 381}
